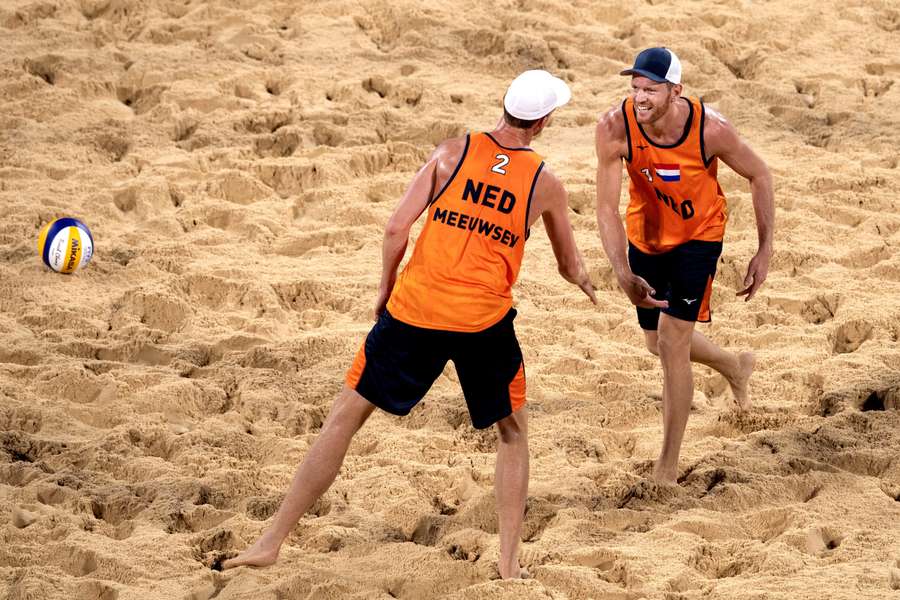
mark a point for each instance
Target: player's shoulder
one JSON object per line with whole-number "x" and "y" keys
{"x": 611, "y": 125}
{"x": 448, "y": 153}
{"x": 718, "y": 131}
{"x": 714, "y": 122}
{"x": 451, "y": 147}
{"x": 548, "y": 185}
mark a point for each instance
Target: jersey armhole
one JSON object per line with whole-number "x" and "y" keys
{"x": 627, "y": 130}
{"x": 455, "y": 171}
{"x": 706, "y": 162}
{"x": 530, "y": 196}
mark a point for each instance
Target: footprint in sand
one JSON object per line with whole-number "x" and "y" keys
{"x": 466, "y": 545}
{"x": 80, "y": 562}
{"x": 822, "y": 541}
{"x": 894, "y": 575}
{"x": 95, "y": 590}
{"x": 283, "y": 142}
{"x": 138, "y": 98}
{"x": 21, "y": 518}
{"x": 208, "y": 590}
{"x": 48, "y": 67}
{"x": 647, "y": 491}
{"x": 429, "y": 530}
{"x": 848, "y": 337}
{"x": 214, "y": 547}
{"x": 117, "y": 505}
{"x": 195, "y": 519}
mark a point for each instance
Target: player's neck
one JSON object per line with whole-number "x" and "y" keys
{"x": 671, "y": 124}
{"x": 511, "y": 137}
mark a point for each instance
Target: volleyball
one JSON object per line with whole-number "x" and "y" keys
{"x": 66, "y": 245}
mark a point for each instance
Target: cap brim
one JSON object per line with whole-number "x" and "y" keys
{"x": 644, "y": 73}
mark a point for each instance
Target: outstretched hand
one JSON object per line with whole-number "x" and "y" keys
{"x": 757, "y": 271}
{"x": 582, "y": 279}
{"x": 640, "y": 293}
{"x": 588, "y": 288}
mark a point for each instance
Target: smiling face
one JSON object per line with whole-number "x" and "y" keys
{"x": 651, "y": 99}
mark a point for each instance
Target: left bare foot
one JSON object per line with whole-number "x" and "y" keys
{"x": 261, "y": 554}
{"x": 740, "y": 380}
{"x": 513, "y": 571}
{"x": 661, "y": 474}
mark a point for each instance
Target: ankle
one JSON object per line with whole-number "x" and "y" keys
{"x": 509, "y": 568}
{"x": 271, "y": 540}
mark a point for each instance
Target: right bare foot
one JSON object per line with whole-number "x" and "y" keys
{"x": 740, "y": 380}
{"x": 261, "y": 554}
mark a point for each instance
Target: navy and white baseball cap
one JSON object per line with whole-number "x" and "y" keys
{"x": 534, "y": 94}
{"x": 659, "y": 64}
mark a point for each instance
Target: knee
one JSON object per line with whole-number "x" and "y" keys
{"x": 349, "y": 412}
{"x": 671, "y": 345}
{"x": 510, "y": 431}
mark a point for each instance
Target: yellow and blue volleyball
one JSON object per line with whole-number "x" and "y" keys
{"x": 66, "y": 245}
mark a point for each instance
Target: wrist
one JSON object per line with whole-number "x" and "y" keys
{"x": 387, "y": 283}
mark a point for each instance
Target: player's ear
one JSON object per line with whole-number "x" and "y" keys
{"x": 542, "y": 122}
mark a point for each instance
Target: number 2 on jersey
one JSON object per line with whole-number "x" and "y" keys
{"x": 498, "y": 168}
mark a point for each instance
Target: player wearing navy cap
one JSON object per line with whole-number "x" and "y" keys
{"x": 665, "y": 258}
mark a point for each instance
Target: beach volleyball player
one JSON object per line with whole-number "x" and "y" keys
{"x": 675, "y": 223}
{"x": 480, "y": 194}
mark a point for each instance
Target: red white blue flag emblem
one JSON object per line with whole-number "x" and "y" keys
{"x": 668, "y": 172}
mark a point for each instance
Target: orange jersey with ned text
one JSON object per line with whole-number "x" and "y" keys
{"x": 467, "y": 258}
{"x": 675, "y": 194}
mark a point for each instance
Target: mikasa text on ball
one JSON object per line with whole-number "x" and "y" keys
{"x": 66, "y": 245}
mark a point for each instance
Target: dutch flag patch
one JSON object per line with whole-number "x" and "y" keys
{"x": 668, "y": 172}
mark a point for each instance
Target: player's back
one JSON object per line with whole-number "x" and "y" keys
{"x": 468, "y": 255}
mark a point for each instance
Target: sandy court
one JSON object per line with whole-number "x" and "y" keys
{"x": 237, "y": 161}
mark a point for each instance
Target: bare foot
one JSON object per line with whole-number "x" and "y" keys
{"x": 740, "y": 380}
{"x": 513, "y": 571}
{"x": 261, "y": 554}
{"x": 668, "y": 475}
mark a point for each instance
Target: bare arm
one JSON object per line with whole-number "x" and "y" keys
{"x": 611, "y": 148}
{"x": 722, "y": 140}
{"x": 553, "y": 204}
{"x": 421, "y": 190}
{"x": 610, "y": 151}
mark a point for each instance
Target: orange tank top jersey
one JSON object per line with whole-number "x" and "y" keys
{"x": 675, "y": 195}
{"x": 467, "y": 258}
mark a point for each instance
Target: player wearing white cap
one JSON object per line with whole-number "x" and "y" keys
{"x": 453, "y": 301}
{"x": 675, "y": 224}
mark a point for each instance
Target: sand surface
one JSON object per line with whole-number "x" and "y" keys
{"x": 237, "y": 161}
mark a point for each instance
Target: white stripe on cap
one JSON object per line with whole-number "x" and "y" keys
{"x": 673, "y": 75}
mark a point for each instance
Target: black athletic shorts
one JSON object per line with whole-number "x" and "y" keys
{"x": 398, "y": 363}
{"x": 683, "y": 276}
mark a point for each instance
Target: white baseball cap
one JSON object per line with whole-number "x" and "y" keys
{"x": 534, "y": 94}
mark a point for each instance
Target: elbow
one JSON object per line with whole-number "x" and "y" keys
{"x": 762, "y": 178}
{"x": 395, "y": 228}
